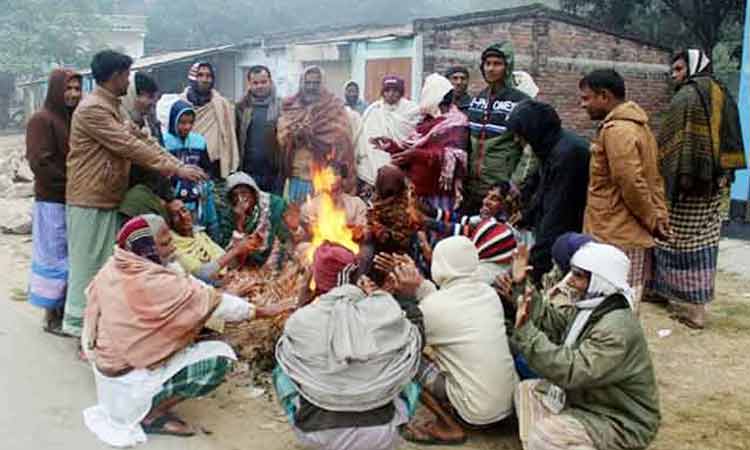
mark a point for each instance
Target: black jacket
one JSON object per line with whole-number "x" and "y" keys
{"x": 560, "y": 186}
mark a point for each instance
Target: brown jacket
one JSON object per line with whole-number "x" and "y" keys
{"x": 47, "y": 140}
{"x": 626, "y": 191}
{"x": 102, "y": 147}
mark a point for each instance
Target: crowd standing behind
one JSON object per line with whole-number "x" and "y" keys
{"x": 502, "y": 258}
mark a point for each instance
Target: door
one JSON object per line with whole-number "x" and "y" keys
{"x": 376, "y": 69}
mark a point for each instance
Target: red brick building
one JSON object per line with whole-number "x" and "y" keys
{"x": 556, "y": 49}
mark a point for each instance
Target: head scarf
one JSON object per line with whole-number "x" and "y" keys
{"x": 697, "y": 62}
{"x": 195, "y": 97}
{"x": 138, "y": 236}
{"x": 494, "y": 241}
{"x": 435, "y": 88}
{"x": 333, "y": 266}
{"x": 393, "y": 82}
{"x": 566, "y": 246}
{"x": 391, "y": 181}
{"x": 241, "y": 179}
{"x": 453, "y": 259}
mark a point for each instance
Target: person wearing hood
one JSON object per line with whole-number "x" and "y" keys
{"x": 700, "y": 147}
{"x": 214, "y": 119}
{"x": 459, "y": 78}
{"x": 434, "y": 155}
{"x": 140, "y": 335}
{"x": 314, "y": 128}
{"x": 346, "y": 362}
{"x": 561, "y": 183}
{"x": 46, "y": 149}
{"x": 598, "y": 388}
{"x": 626, "y": 205}
{"x": 256, "y": 117}
{"x": 353, "y": 99}
{"x": 190, "y": 148}
{"x": 493, "y": 154}
{"x": 393, "y": 118}
{"x": 472, "y": 378}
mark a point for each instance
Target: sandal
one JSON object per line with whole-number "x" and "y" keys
{"x": 158, "y": 426}
{"x": 422, "y": 436}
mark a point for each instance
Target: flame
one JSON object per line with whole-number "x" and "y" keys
{"x": 331, "y": 224}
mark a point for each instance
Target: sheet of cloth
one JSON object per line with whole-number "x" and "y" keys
{"x": 91, "y": 239}
{"x": 49, "y": 261}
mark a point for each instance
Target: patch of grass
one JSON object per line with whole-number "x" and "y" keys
{"x": 730, "y": 317}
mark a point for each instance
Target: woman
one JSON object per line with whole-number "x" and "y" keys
{"x": 434, "y": 155}
{"x": 696, "y": 166}
{"x": 259, "y": 213}
{"x": 141, "y": 323}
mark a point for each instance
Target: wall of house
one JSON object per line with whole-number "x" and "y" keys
{"x": 557, "y": 54}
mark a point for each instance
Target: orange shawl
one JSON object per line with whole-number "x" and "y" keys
{"x": 140, "y": 313}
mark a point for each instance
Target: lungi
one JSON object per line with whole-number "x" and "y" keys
{"x": 91, "y": 239}
{"x": 49, "y": 262}
{"x": 641, "y": 263}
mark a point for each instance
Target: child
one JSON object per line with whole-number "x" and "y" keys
{"x": 190, "y": 148}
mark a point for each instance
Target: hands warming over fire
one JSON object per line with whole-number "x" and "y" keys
{"x": 402, "y": 276}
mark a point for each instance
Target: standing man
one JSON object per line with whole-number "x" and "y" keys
{"x": 314, "y": 129}
{"x": 352, "y": 98}
{"x": 494, "y": 155}
{"x": 560, "y": 186}
{"x": 697, "y": 158}
{"x": 256, "y": 116}
{"x": 625, "y": 205}
{"x": 459, "y": 78}
{"x": 46, "y": 149}
{"x": 214, "y": 119}
{"x": 102, "y": 148}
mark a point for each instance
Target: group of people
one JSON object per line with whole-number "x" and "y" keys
{"x": 501, "y": 263}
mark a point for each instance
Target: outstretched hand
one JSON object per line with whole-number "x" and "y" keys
{"x": 191, "y": 173}
{"x": 521, "y": 266}
{"x": 524, "y": 307}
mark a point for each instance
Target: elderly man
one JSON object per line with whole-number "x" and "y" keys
{"x": 214, "y": 120}
{"x": 352, "y": 97}
{"x": 392, "y": 118}
{"x": 314, "y": 129}
{"x": 626, "y": 204}
{"x": 46, "y": 149}
{"x": 141, "y": 323}
{"x": 459, "y": 77}
{"x": 598, "y": 388}
{"x": 256, "y": 117}
{"x": 102, "y": 147}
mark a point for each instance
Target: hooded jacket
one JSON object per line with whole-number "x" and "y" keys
{"x": 493, "y": 155}
{"x": 626, "y": 191}
{"x": 47, "y": 135}
{"x": 561, "y": 183}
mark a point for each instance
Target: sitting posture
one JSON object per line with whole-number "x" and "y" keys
{"x": 598, "y": 389}
{"x": 141, "y": 323}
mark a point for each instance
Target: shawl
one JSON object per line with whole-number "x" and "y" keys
{"x": 193, "y": 252}
{"x": 322, "y": 127}
{"x": 382, "y": 120}
{"x": 148, "y": 312}
{"x": 140, "y": 199}
{"x": 215, "y": 121}
{"x": 349, "y": 352}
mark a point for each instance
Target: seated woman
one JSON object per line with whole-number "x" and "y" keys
{"x": 346, "y": 362}
{"x": 598, "y": 389}
{"x": 472, "y": 378}
{"x": 196, "y": 252}
{"x": 141, "y": 322}
{"x": 254, "y": 212}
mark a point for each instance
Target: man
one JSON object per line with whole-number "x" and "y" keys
{"x": 142, "y": 321}
{"x": 392, "y": 118}
{"x": 352, "y": 97}
{"x": 472, "y": 378}
{"x": 560, "y": 186}
{"x": 102, "y": 147}
{"x": 626, "y": 205}
{"x": 598, "y": 388}
{"x": 314, "y": 129}
{"x": 46, "y": 149}
{"x": 256, "y": 116}
{"x": 494, "y": 155}
{"x": 700, "y": 146}
{"x": 215, "y": 119}
{"x": 348, "y": 386}
{"x": 459, "y": 77}
{"x": 140, "y": 102}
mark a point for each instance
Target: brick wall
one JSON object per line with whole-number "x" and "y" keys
{"x": 557, "y": 54}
